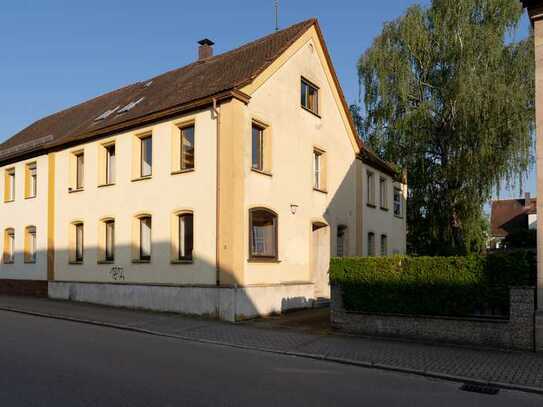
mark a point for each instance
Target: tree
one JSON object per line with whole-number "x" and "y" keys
{"x": 449, "y": 96}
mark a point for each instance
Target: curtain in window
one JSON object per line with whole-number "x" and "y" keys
{"x": 263, "y": 234}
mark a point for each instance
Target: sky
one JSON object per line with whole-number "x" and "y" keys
{"x": 57, "y": 53}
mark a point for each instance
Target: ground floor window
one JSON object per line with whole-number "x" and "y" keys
{"x": 262, "y": 234}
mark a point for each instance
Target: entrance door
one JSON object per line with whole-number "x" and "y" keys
{"x": 320, "y": 259}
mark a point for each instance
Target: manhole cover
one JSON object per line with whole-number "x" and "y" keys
{"x": 480, "y": 388}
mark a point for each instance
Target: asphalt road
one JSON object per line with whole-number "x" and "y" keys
{"x": 48, "y": 362}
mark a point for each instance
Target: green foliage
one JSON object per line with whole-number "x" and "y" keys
{"x": 454, "y": 286}
{"x": 449, "y": 96}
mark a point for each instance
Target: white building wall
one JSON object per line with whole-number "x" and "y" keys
{"x": 23, "y": 212}
{"x": 159, "y": 196}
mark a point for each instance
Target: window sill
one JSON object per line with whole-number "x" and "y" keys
{"x": 142, "y": 178}
{"x": 262, "y": 260}
{"x": 311, "y": 111}
{"x": 74, "y": 190}
{"x": 371, "y": 205}
{"x": 269, "y": 174}
{"x": 105, "y": 262}
{"x": 139, "y": 261}
{"x": 75, "y": 263}
{"x": 30, "y": 197}
{"x": 30, "y": 262}
{"x": 8, "y": 262}
{"x": 106, "y": 185}
{"x": 188, "y": 170}
{"x": 322, "y": 191}
{"x": 384, "y": 209}
{"x": 182, "y": 262}
{"x": 9, "y": 200}
{"x": 398, "y": 216}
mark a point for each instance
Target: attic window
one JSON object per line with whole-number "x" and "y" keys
{"x": 106, "y": 114}
{"x": 130, "y": 106}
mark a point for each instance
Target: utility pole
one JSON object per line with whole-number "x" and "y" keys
{"x": 276, "y": 15}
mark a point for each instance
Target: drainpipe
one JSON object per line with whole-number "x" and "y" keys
{"x": 216, "y": 113}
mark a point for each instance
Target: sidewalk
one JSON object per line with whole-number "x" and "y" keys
{"x": 513, "y": 370}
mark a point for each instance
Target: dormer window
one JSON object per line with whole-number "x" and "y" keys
{"x": 310, "y": 96}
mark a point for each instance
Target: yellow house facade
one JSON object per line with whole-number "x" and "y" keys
{"x": 221, "y": 188}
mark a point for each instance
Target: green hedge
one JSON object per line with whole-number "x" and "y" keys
{"x": 455, "y": 286}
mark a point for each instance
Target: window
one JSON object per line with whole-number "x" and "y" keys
{"x": 79, "y": 170}
{"x": 397, "y": 202}
{"x": 146, "y": 164}
{"x": 371, "y": 244}
{"x": 258, "y": 148}
{"x": 371, "y": 188}
{"x": 9, "y": 187}
{"x": 263, "y": 234}
{"x": 110, "y": 164}
{"x": 79, "y": 242}
{"x": 187, "y": 148}
{"x": 186, "y": 240}
{"x": 30, "y": 244}
{"x": 341, "y": 240}
{"x": 145, "y": 238}
{"x": 383, "y": 191}
{"x": 384, "y": 245}
{"x": 31, "y": 181}
{"x": 9, "y": 246}
{"x": 319, "y": 170}
{"x": 310, "y": 96}
{"x": 109, "y": 249}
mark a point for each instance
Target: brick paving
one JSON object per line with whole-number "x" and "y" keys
{"x": 509, "y": 368}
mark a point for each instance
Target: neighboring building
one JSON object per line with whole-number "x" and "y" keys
{"x": 219, "y": 188}
{"x": 510, "y": 216}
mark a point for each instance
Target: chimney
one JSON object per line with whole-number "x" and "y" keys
{"x": 205, "y": 50}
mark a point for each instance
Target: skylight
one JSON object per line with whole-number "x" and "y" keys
{"x": 106, "y": 114}
{"x": 130, "y": 106}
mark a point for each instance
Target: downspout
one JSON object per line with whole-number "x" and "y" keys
{"x": 217, "y": 196}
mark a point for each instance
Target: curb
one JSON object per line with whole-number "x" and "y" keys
{"x": 314, "y": 356}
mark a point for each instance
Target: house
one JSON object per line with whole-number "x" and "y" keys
{"x": 511, "y": 216}
{"x": 220, "y": 188}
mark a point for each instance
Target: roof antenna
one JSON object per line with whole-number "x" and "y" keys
{"x": 276, "y": 15}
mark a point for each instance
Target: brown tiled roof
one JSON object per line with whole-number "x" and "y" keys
{"x": 509, "y": 215}
{"x": 197, "y": 81}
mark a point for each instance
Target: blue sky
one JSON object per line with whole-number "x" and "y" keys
{"x": 57, "y": 53}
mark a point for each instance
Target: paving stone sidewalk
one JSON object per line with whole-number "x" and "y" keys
{"x": 516, "y": 370}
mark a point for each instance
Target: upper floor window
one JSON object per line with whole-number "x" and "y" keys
{"x": 370, "y": 188}
{"x": 9, "y": 185}
{"x": 397, "y": 202}
{"x": 310, "y": 96}
{"x": 79, "y": 170}
{"x": 30, "y": 244}
{"x": 263, "y": 234}
{"x": 187, "y": 148}
{"x": 9, "y": 245}
{"x": 146, "y": 156}
{"x": 319, "y": 170}
{"x": 110, "y": 160}
{"x": 31, "y": 180}
{"x": 257, "y": 147}
{"x": 383, "y": 193}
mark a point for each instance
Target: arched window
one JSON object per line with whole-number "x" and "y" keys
{"x": 9, "y": 245}
{"x": 30, "y": 244}
{"x": 76, "y": 242}
{"x": 142, "y": 243}
{"x": 185, "y": 225}
{"x": 262, "y": 234}
{"x": 106, "y": 240}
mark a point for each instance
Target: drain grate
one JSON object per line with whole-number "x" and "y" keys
{"x": 480, "y": 388}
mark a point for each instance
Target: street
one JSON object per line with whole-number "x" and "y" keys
{"x": 49, "y": 362}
